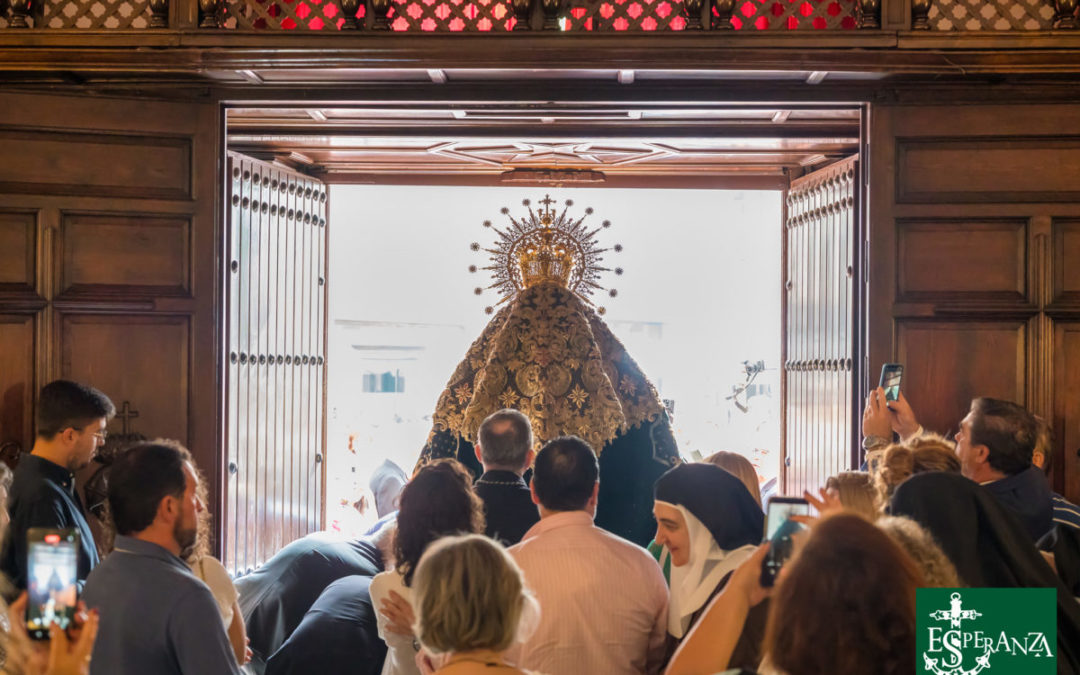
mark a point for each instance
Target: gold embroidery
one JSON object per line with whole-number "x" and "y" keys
{"x": 549, "y": 355}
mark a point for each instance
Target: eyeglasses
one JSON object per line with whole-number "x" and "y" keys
{"x": 102, "y": 435}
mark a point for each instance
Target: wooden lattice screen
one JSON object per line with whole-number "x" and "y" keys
{"x": 990, "y": 15}
{"x": 275, "y": 370}
{"x": 85, "y": 14}
{"x": 576, "y": 15}
{"x": 820, "y": 343}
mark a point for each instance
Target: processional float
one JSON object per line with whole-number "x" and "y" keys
{"x": 548, "y": 353}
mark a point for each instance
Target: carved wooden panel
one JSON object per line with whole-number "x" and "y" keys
{"x": 820, "y": 340}
{"x": 1015, "y": 169}
{"x": 142, "y": 359}
{"x": 991, "y": 15}
{"x": 102, "y": 254}
{"x": 1065, "y": 258}
{"x": 51, "y": 162}
{"x": 18, "y": 251}
{"x": 948, "y": 363}
{"x": 952, "y": 260}
{"x": 1066, "y": 475}
{"x": 275, "y": 371}
{"x": 17, "y": 386}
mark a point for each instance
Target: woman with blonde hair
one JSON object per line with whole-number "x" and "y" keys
{"x": 937, "y": 570}
{"x": 856, "y": 492}
{"x": 741, "y": 468}
{"x": 472, "y": 605}
{"x": 900, "y": 461}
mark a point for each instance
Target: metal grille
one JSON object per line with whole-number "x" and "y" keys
{"x": 623, "y": 15}
{"x": 792, "y": 15}
{"x": 451, "y": 15}
{"x": 286, "y": 15}
{"x": 276, "y": 337}
{"x": 819, "y": 339}
{"x": 969, "y": 15}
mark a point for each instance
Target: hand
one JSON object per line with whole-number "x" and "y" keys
{"x": 903, "y": 418}
{"x": 399, "y": 613}
{"x": 826, "y": 503}
{"x": 72, "y": 658}
{"x": 248, "y": 654}
{"x": 746, "y": 579}
{"x": 877, "y": 418}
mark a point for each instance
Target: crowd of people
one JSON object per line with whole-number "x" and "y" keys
{"x": 500, "y": 574}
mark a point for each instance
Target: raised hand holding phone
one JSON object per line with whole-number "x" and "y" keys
{"x": 51, "y": 580}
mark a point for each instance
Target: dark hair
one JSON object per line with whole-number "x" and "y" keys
{"x": 140, "y": 478}
{"x": 63, "y": 404}
{"x": 1007, "y": 430}
{"x": 846, "y": 604}
{"x": 505, "y": 438}
{"x": 438, "y": 501}
{"x": 564, "y": 474}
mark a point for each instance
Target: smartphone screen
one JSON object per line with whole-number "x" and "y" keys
{"x": 779, "y": 530}
{"x": 52, "y": 567}
{"x": 891, "y": 374}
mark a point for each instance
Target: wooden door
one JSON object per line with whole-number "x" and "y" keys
{"x": 820, "y": 310}
{"x": 108, "y": 243}
{"x": 275, "y": 366}
{"x": 975, "y": 243}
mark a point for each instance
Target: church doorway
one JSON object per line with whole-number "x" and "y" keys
{"x": 740, "y": 234}
{"x": 698, "y": 308}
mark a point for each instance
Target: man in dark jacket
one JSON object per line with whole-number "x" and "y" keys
{"x": 995, "y": 445}
{"x": 71, "y": 420}
{"x": 505, "y": 447}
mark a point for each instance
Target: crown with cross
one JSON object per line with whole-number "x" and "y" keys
{"x": 546, "y": 246}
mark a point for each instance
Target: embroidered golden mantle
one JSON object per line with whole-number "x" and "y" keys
{"x": 549, "y": 355}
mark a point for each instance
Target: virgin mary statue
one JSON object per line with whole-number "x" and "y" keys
{"x": 548, "y": 353}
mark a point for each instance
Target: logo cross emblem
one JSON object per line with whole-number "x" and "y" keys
{"x": 956, "y": 613}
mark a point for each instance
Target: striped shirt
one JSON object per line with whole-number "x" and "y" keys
{"x": 603, "y": 600}
{"x": 1065, "y": 512}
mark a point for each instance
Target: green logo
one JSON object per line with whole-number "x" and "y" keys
{"x": 964, "y": 631}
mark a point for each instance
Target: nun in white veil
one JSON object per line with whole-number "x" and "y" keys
{"x": 707, "y": 523}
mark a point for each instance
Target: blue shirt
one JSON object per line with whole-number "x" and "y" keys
{"x": 43, "y": 495}
{"x": 156, "y": 616}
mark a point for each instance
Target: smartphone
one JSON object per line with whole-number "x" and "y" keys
{"x": 891, "y": 374}
{"x": 51, "y": 571}
{"x": 779, "y": 530}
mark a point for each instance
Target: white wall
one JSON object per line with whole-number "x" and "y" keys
{"x": 703, "y": 264}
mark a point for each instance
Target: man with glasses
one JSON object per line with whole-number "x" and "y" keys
{"x": 71, "y": 420}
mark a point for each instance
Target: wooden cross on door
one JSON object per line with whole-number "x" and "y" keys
{"x": 125, "y": 415}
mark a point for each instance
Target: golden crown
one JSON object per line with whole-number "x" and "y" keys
{"x": 546, "y": 247}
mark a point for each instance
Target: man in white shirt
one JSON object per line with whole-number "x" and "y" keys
{"x": 603, "y": 599}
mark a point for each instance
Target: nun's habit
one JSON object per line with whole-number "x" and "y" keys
{"x": 725, "y": 525}
{"x": 989, "y": 545}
